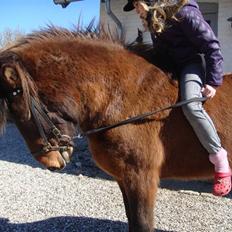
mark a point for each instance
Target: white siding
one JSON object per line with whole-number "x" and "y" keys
{"x": 131, "y": 22}
{"x": 225, "y": 32}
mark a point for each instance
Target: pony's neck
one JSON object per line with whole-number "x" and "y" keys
{"x": 104, "y": 83}
{"x": 115, "y": 98}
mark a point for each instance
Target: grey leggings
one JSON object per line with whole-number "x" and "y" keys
{"x": 191, "y": 82}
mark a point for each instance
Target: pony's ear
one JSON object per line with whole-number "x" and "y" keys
{"x": 14, "y": 78}
{"x": 10, "y": 76}
{"x": 9, "y": 69}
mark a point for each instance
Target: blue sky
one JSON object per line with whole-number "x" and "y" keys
{"x": 29, "y": 15}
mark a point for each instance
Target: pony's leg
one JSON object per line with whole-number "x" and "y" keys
{"x": 125, "y": 200}
{"x": 140, "y": 190}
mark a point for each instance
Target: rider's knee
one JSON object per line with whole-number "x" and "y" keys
{"x": 192, "y": 109}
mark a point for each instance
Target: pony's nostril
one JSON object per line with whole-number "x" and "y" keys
{"x": 53, "y": 169}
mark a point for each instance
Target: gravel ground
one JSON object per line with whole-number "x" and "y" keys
{"x": 82, "y": 198}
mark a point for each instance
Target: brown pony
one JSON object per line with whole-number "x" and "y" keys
{"x": 88, "y": 82}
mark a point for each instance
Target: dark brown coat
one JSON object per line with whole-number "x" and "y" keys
{"x": 95, "y": 82}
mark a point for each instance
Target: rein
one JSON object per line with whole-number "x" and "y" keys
{"x": 139, "y": 117}
{"x": 38, "y": 111}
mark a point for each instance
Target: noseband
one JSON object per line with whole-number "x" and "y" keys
{"x": 39, "y": 112}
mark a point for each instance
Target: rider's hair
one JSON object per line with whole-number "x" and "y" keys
{"x": 161, "y": 11}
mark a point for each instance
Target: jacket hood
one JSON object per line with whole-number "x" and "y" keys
{"x": 192, "y": 3}
{"x": 130, "y": 6}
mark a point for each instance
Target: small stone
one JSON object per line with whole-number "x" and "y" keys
{"x": 189, "y": 192}
{"x": 78, "y": 164}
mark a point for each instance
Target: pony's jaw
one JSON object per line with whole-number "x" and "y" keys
{"x": 52, "y": 160}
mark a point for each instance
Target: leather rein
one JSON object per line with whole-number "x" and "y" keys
{"x": 39, "y": 112}
{"x": 140, "y": 117}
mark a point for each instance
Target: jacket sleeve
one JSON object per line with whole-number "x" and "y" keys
{"x": 200, "y": 34}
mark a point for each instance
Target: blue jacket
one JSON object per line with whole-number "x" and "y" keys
{"x": 183, "y": 41}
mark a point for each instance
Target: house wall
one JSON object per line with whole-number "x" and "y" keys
{"x": 131, "y": 23}
{"x": 225, "y": 32}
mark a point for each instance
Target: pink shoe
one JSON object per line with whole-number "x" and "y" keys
{"x": 222, "y": 184}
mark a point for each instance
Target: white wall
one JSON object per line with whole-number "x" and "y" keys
{"x": 225, "y": 32}
{"x": 131, "y": 22}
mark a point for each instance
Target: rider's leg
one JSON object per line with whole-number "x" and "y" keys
{"x": 191, "y": 83}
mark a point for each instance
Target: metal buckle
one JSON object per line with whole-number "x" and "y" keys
{"x": 46, "y": 148}
{"x": 56, "y": 132}
{"x": 80, "y": 136}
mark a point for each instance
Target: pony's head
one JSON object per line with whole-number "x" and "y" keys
{"x": 17, "y": 90}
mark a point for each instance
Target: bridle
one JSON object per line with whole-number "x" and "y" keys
{"x": 40, "y": 113}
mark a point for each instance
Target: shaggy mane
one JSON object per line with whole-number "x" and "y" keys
{"x": 90, "y": 33}
{"x": 52, "y": 32}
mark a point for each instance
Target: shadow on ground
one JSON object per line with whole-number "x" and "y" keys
{"x": 66, "y": 224}
{"x": 13, "y": 149}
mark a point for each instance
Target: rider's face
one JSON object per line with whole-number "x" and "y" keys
{"x": 141, "y": 9}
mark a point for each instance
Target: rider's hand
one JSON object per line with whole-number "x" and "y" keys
{"x": 208, "y": 91}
